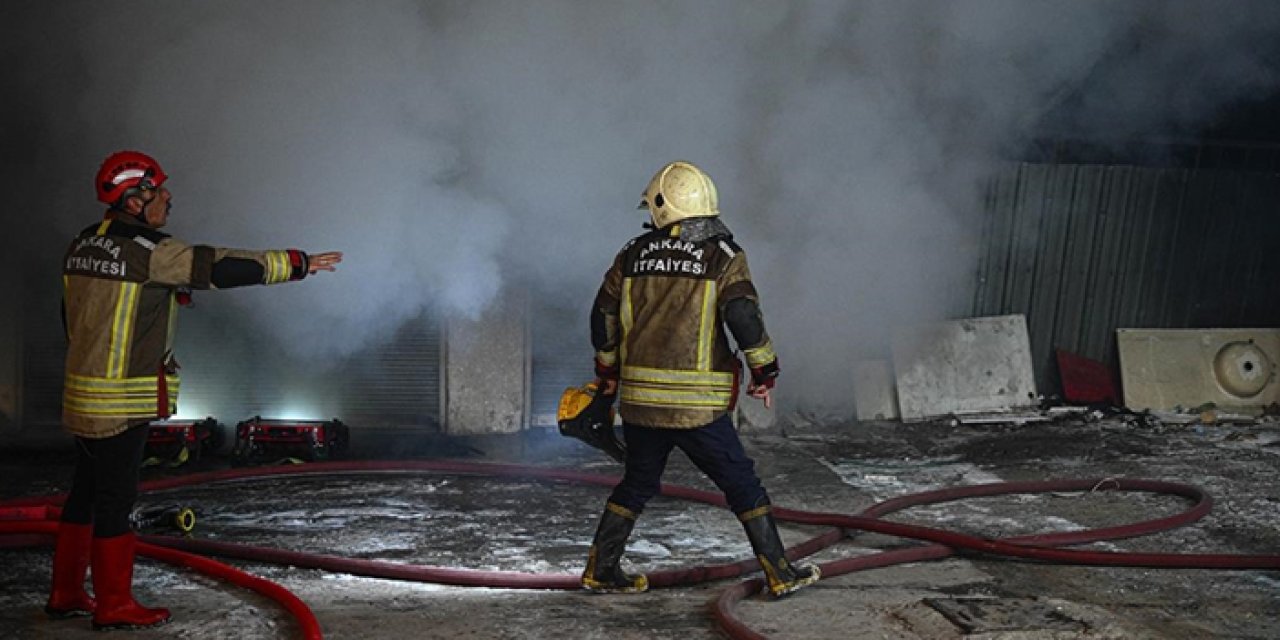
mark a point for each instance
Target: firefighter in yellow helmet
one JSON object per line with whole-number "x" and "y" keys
{"x": 124, "y": 279}
{"x": 658, "y": 325}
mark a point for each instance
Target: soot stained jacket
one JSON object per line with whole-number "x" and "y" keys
{"x": 121, "y": 281}
{"x": 658, "y": 327}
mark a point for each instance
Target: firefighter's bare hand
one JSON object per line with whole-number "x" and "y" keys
{"x": 762, "y": 393}
{"x": 323, "y": 261}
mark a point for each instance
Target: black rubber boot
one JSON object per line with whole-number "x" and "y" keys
{"x": 782, "y": 576}
{"x": 604, "y": 571}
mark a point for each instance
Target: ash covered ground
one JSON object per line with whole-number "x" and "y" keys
{"x": 533, "y": 526}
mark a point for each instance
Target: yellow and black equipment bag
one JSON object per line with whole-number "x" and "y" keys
{"x": 587, "y": 414}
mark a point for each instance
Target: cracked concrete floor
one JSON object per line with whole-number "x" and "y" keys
{"x": 510, "y": 524}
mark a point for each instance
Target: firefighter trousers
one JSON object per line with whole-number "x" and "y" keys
{"x": 714, "y": 448}
{"x": 105, "y": 485}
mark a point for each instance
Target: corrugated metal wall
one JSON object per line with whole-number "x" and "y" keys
{"x": 1082, "y": 250}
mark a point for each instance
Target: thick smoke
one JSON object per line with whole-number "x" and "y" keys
{"x": 459, "y": 150}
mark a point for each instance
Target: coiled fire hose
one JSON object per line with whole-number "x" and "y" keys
{"x": 307, "y": 623}
{"x": 1039, "y": 547}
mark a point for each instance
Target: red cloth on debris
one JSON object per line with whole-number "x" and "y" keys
{"x": 1086, "y": 381}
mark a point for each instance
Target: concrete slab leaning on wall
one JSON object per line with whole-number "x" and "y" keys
{"x": 1168, "y": 369}
{"x": 486, "y": 371}
{"x": 963, "y": 366}
{"x": 874, "y": 395}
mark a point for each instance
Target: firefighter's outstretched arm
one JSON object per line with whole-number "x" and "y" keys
{"x": 176, "y": 263}
{"x": 237, "y": 268}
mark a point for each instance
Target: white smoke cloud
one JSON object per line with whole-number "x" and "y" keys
{"x": 454, "y": 148}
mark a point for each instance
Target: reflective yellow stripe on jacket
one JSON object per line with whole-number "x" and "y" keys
{"x": 173, "y": 322}
{"x": 706, "y": 324}
{"x": 676, "y": 388}
{"x": 116, "y": 397}
{"x": 761, "y": 355}
{"x": 625, "y": 317}
{"x": 701, "y": 388}
{"x": 122, "y": 329}
{"x": 278, "y": 267}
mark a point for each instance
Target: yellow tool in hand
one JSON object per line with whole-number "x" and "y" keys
{"x": 587, "y": 414}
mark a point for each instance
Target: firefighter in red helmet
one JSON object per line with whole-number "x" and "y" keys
{"x": 658, "y": 325}
{"x": 122, "y": 277}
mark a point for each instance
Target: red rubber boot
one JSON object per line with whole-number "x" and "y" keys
{"x": 113, "y": 584}
{"x": 67, "y": 597}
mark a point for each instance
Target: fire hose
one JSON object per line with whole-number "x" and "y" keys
{"x": 292, "y": 604}
{"x": 1042, "y": 547}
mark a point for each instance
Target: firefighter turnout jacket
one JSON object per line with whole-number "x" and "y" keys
{"x": 121, "y": 281}
{"x": 658, "y": 328}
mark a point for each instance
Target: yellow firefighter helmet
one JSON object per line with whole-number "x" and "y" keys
{"x": 679, "y": 191}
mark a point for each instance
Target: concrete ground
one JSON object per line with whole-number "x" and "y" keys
{"x": 510, "y": 524}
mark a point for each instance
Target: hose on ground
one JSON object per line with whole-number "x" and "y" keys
{"x": 1043, "y": 547}
{"x": 302, "y": 614}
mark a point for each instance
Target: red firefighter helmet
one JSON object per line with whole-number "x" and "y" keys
{"x": 126, "y": 170}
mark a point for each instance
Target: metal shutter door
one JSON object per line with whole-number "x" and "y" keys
{"x": 562, "y": 356}
{"x": 396, "y": 384}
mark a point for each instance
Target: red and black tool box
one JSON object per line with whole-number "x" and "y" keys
{"x": 259, "y": 439}
{"x": 180, "y": 440}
